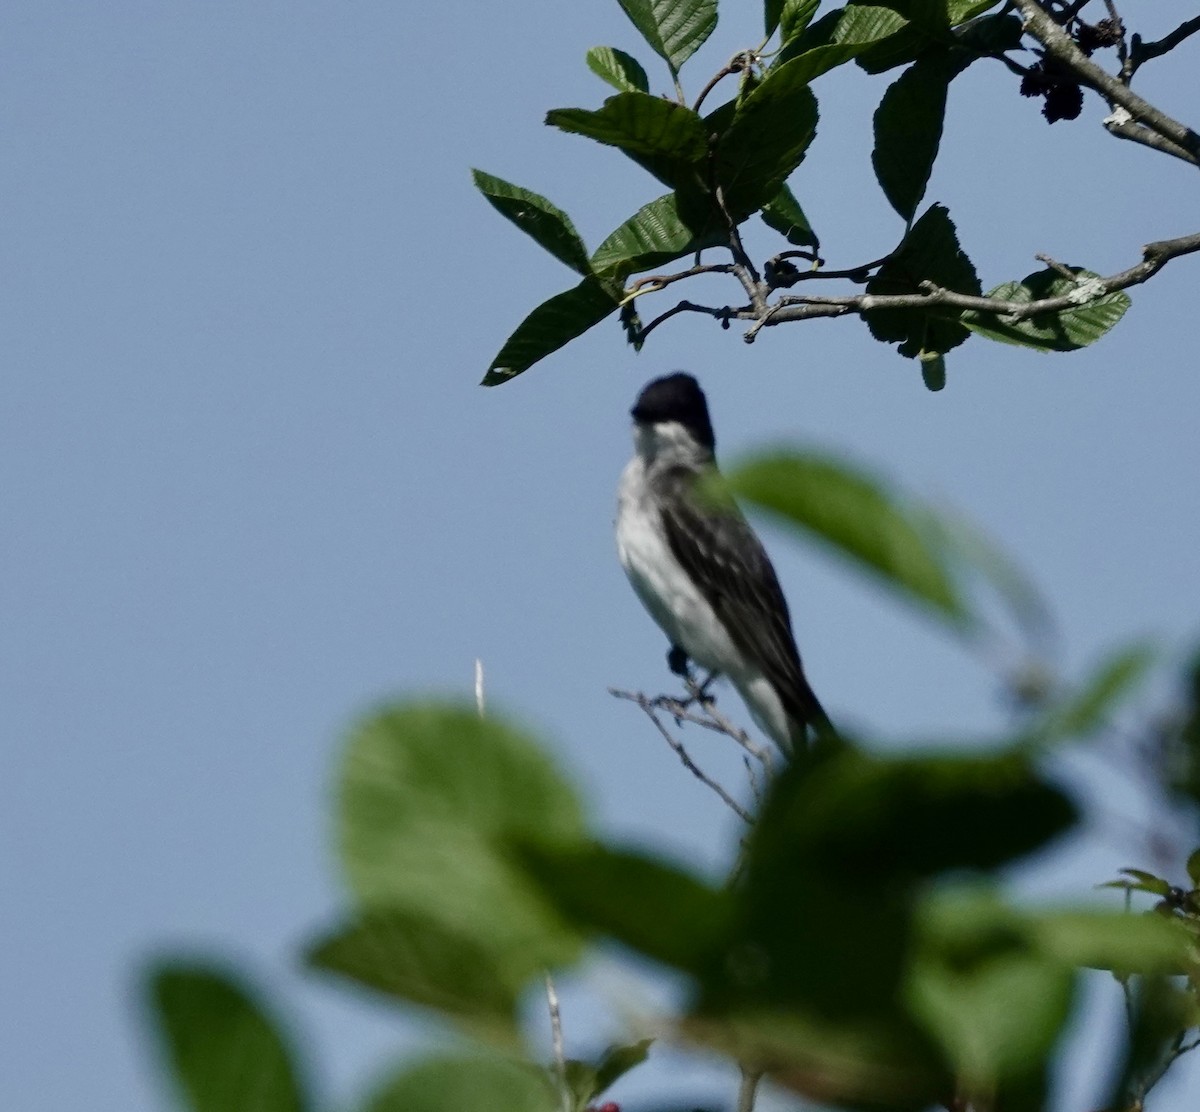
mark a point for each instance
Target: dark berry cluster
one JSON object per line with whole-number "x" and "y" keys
{"x": 1090, "y": 37}
{"x": 1062, "y": 96}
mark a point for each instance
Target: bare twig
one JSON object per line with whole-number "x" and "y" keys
{"x": 739, "y": 62}
{"x": 724, "y": 315}
{"x": 1141, "y": 52}
{"x": 651, "y": 707}
{"x": 652, "y": 283}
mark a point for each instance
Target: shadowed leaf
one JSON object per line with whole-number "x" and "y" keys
{"x": 537, "y": 218}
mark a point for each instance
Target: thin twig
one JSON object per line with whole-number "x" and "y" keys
{"x": 723, "y": 315}
{"x": 556, "y": 1039}
{"x": 747, "y": 1089}
{"x": 649, "y": 706}
{"x": 652, "y": 283}
{"x": 1141, "y": 52}
{"x": 736, "y": 64}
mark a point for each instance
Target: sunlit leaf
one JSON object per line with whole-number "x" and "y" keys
{"x": 551, "y": 325}
{"x": 655, "y": 235}
{"x": 225, "y": 1052}
{"x": 536, "y": 217}
{"x": 1065, "y": 330}
{"x": 430, "y": 799}
{"x": 416, "y": 959}
{"x": 639, "y": 124}
{"x": 447, "y": 1084}
{"x": 674, "y": 29}
{"x": 622, "y": 71}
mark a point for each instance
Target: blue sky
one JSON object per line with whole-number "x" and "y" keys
{"x": 252, "y": 487}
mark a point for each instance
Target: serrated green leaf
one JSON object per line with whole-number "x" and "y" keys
{"x": 620, "y": 70}
{"x": 639, "y": 124}
{"x": 655, "y": 235}
{"x": 858, "y": 517}
{"x": 1066, "y": 330}
{"x": 784, "y": 214}
{"x": 674, "y": 29}
{"x": 447, "y": 1084}
{"x": 929, "y": 252}
{"x": 766, "y": 140}
{"x": 908, "y": 128}
{"x": 551, "y": 325}
{"x": 545, "y": 223}
{"x": 866, "y": 23}
{"x": 430, "y": 798}
{"x": 225, "y": 1052}
{"x": 794, "y": 17}
{"x": 416, "y": 959}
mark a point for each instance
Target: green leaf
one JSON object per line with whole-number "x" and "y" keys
{"x": 928, "y": 253}
{"x": 1193, "y": 867}
{"x": 1118, "y": 941}
{"x": 766, "y": 140}
{"x": 416, "y": 959}
{"x": 659, "y": 911}
{"x": 1142, "y": 882}
{"x": 587, "y": 1081}
{"x": 639, "y": 124}
{"x": 446, "y": 1084}
{"x": 858, "y": 517}
{"x": 622, "y": 71}
{"x": 536, "y": 217}
{"x": 655, "y": 235}
{"x": 999, "y": 1020}
{"x": 867, "y": 23}
{"x": 431, "y": 798}
{"x": 796, "y": 16}
{"x": 1088, "y": 710}
{"x": 1065, "y": 330}
{"x": 933, "y": 373}
{"x": 908, "y": 129}
{"x": 224, "y": 1050}
{"x": 784, "y": 214}
{"x": 674, "y": 29}
{"x": 551, "y": 325}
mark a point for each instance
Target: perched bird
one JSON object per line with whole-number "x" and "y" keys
{"x": 701, "y": 571}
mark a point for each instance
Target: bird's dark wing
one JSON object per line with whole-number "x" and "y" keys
{"x": 724, "y": 557}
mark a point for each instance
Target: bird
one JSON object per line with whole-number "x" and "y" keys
{"x": 700, "y": 570}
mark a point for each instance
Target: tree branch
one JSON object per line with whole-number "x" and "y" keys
{"x": 1063, "y": 49}
{"x": 1141, "y": 52}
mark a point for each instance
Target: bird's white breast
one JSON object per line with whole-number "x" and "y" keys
{"x": 664, "y": 587}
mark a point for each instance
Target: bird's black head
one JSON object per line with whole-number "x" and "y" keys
{"x": 676, "y": 397}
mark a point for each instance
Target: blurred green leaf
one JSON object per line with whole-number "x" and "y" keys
{"x": 620, "y": 70}
{"x": 784, "y": 214}
{"x": 536, "y": 217}
{"x": 1193, "y": 867}
{"x": 766, "y": 140}
{"x": 1065, "y": 330}
{"x": 857, "y": 516}
{"x": 655, "y": 235}
{"x": 588, "y": 1080}
{"x": 415, "y": 959}
{"x": 1142, "y": 882}
{"x": 648, "y": 905}
{"x": 1114, "y": 940}
{"x": 225, "y": 1052}
{"x": 431, "y": 798}
{"x": 552, "y": 324}
{"x": 1089, "y": 709}
{"x": 674, "y": 29}
{"x": 1161, "y": 1013}
{"x": 463, "y": 1084}
{"x": 908, "y": 128}
{"x": 928, "y": 253}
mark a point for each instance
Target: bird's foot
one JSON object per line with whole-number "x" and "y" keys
{"x": 677, "y": 661}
